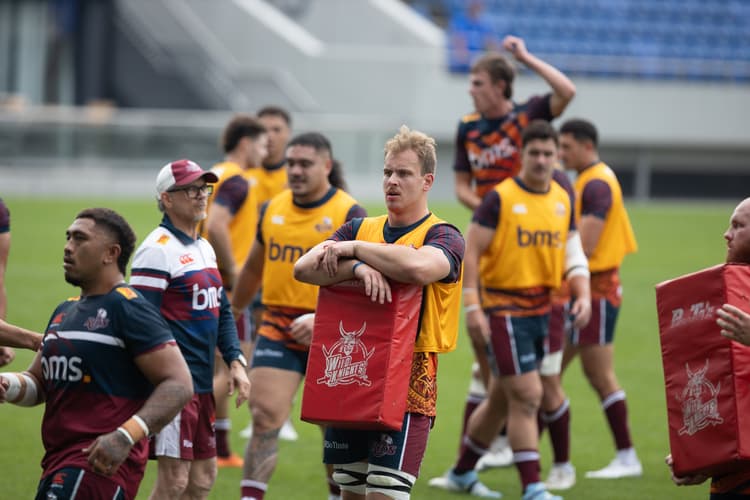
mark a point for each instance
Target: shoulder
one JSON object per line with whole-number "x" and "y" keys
{"x": 153, "y": 252}
{"x": 562, "y": 179}
{"x": 346, "y": 199}
{"x": 125, "y": 297}
{"x": 470, "y": 117}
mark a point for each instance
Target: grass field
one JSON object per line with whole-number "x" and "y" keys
{"x": 673, "y": 238}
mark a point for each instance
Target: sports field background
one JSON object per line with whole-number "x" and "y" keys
{"x": 674, "y": 238}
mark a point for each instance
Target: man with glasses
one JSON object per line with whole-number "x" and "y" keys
{"x": 176, "y": 270}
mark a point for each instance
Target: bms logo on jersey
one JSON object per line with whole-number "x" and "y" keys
{"x": 206, "y": 298}
{"x": 526, "y": 238}
{"x": 62, "y": 368}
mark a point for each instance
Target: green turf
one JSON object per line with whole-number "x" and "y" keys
{"x": 673, "y": 238}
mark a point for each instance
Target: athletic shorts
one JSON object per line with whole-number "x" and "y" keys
{"x": 275, "y": 354}
{"x": 72, "y": 482}
{"x": 245, "y": 326}
{"x": 516, "y": 343}
{"x": 601, "y": 327}
{"x": 559, "y": 323}
{"x": 191, "y": 434}
{"x": 399, "y": 450}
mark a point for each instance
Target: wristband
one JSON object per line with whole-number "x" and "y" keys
{"x": 471, "y": 307}
{"x": 358, "y": 263}
{"x": 135, "y": 429}
{"x": 127, "y": 435}
{"x": 22, "y": 389}
{"x": 471, "y": 297}
{"x": 140, "y": 422}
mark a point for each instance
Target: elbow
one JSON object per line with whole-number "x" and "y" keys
{"x": 571, "y": 92}
{"x": 416, "y": 274}
{"x": 305, "y": 274}
{"x": 299, "y": 272}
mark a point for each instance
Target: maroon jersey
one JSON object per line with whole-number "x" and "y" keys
{"x": 91, "y": 381}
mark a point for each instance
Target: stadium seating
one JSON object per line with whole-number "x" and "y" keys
{"x": 668, "y": 39}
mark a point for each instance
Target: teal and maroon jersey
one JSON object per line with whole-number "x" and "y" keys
{"x": 90, "y": 377}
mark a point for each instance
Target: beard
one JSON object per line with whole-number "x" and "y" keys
{"x": 73, "y": 280}
{"x": 738, "y": 256}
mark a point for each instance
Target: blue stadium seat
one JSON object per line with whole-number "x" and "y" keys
{"x": 662, "y": 33}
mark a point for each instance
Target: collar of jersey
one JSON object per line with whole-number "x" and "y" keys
{"x": 184, "y": 238}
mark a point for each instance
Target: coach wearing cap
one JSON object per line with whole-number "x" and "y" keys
{"x": 176, "y": 270}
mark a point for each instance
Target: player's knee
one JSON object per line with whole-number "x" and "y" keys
{"x": 171, "y": 487}
{"x": 266, "y": 417}
{"x": 392, "y": 483}
{"x": 351, "y": 477}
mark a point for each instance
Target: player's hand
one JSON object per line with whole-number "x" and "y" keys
{"x": 332, "y": 253}
{"x": 107, "y": 453}
{"x": 301, "y": 329}
{"x": 683, "y": 480}
{"x": 478, "y": 327}
{"x": 580, "y": 312}
{"x": 7, "y": 355}
{"x": 238, "y": 380}
{"x": 376, "y": 284}
{"x": 516, "y": 46}
{"x": 734, "y": 323}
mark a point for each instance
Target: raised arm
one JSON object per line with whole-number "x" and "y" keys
{"x": 563, "y": 89}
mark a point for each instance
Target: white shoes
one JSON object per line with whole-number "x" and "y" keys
{"x": 561, "y": 477}
{"x": 468, "y": 482}
{"x": 618, "y": 468}
{"x": 499, "y": 455}
{"x": 537, "y": 491}
{"x": 287, "y": 432}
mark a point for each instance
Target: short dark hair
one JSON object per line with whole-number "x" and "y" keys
{"x": 238, "y": 127}
{"x": 320, "y": 143}
{"x": 499, "y": 68}
{"x": 581, "y": 130}
{"x": 118, "y": 227}
{"x": 538, "y": 130}
{"x": 276, "y": 111}
{"x": 315, "y": 140}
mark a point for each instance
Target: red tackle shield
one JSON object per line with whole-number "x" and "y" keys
{"x": 360, "y": 356}
{"x": 707, "y": 376}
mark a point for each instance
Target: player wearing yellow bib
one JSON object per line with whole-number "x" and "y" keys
{"x": 607, "y": 237}
{"x": 230, "y": 228}
{"x": 272, "y": 178}
{"x": 409, "y": 245}
{"x": 292, "y": 222}
{"x": 521, "y": 242}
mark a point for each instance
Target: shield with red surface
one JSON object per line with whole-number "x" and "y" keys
{"x": 707, "y": 376}
{"x": 359, "y": 363}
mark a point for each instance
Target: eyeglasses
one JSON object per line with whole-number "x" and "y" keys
{"x": 194, "y": 191}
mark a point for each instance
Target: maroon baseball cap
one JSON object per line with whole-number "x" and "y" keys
{"x": 181, "y": 173}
